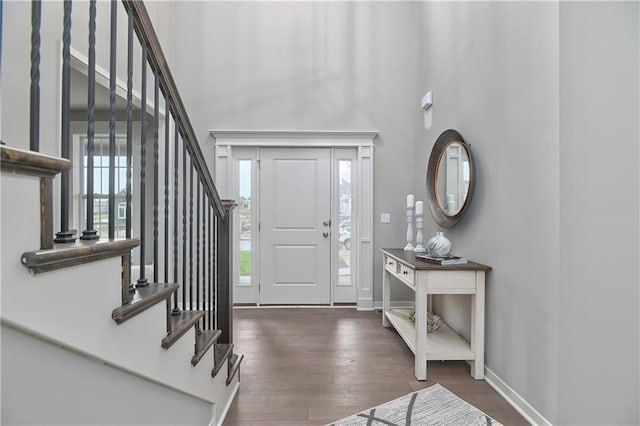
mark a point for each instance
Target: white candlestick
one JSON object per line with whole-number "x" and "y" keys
{"x": 419, "y": 208}
{"x": 419, "y": 224}
{"x": 410, "y": 200}
{"x": 409, "y": 246}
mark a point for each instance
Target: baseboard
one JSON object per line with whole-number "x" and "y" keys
{"x": 365, "y": 304}
{"x": 234, "y": 392}
{"x": 529, "y": 413}
{"x": 296, "y": 307}
{"x": 377, "y": 305}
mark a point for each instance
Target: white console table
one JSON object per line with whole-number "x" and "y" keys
{"x": 426, "y": 279}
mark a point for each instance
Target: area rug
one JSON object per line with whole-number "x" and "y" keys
{"x": 434, "y": 405}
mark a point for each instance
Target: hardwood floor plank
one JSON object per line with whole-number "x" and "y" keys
{"x": 314, "y": 366}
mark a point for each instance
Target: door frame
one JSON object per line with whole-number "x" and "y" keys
{"x": 229, "y": 141}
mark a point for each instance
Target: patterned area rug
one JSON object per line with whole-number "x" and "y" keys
{"x": 434, "y": 405}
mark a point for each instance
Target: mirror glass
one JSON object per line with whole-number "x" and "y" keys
{"x": 450, "y": 178}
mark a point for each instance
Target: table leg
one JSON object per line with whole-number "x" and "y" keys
{"x": 477, "y": 328}
{"x": 386, "y": 296}
{"x": 421, "y": 331}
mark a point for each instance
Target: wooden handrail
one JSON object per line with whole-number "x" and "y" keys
{"x": 144, "y": 30}
{"x": 31, "y": 162}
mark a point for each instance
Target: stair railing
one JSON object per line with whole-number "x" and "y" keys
{"x": 193, "y": 246}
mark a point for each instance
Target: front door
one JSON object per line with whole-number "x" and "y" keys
{"x": 295, "y": 212}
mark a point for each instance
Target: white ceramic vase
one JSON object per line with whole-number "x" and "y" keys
{"x": 439, "y": 246}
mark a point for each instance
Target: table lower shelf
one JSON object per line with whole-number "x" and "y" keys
{"x": 443, "y": 344}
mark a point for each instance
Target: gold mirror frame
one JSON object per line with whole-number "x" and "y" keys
{"x": 438, "y": 211}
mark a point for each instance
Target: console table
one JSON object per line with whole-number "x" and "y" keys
{"x": 427, "y": 279}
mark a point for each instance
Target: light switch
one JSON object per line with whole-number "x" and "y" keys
{"x": 385, "y": 217}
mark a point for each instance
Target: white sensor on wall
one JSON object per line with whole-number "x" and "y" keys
{"x": 427, "y": 101}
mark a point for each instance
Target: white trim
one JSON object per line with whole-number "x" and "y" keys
{"x": 227, "y": 140}
{"x": 240, "y": 135}
{"x": 525, "y": 409}
{"x": 228, "y": 405}
{"x": 294, "y": 138}
{"x": 377, "y": 305}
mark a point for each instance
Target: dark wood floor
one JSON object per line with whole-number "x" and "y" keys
{"x": 313, "y": 366}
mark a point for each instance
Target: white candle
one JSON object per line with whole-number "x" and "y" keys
{"x": 419, "y": 207}
{"x": 410, "y": 200}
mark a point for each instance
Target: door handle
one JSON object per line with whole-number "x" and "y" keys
{"x": 325, "y": 234}
{"x": 327, "y": 222}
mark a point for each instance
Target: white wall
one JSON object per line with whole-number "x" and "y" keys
{"x": 308, "y": 66}
{"x": 34, "y": 370}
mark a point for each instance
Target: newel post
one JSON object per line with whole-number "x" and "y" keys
{"x": 224, "y": 263}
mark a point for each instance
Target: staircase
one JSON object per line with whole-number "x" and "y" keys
{"x": 84, "y": 341}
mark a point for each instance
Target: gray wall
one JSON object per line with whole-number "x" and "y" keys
{"x": 598, "y": 292}
{"x": 308, "y": 66}
{"x": 493, "y": 70}
{"x": 547, "y": 95}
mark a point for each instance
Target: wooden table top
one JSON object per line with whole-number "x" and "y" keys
{"x": 409, "y": 259}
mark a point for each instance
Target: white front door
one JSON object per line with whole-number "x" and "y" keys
{"x": 295, "y": 213}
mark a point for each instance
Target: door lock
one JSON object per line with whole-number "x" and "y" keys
{"x": 327, "y": 222}
{"x": 325, "y": 234}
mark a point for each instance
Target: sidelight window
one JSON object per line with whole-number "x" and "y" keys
{"x": 245, "y": 224}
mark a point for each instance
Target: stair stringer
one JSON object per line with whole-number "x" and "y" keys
{"x": 70, "y": 388}
{"x": 72, "y": 307}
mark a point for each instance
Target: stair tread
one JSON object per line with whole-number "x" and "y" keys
{"x": 234, "y": 367}
{"x": 204, "y": 341}
{"x": 179, "y": 325}
{"x": 221, "y": 352}
{"x": 143, "y": 299}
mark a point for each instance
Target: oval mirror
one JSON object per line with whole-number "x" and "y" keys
{"x": 449, "y": 178}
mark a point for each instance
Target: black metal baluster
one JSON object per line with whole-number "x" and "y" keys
{"x": 166, "y": 190}
{"x": 176, "y": 309}
{"x": 184, "y": 225}
{"x": 34, "y": 104}
{"x": 65, "y": 236}
{"x": 190, "y": 234}
{"x": 89, "y": 233}
{"x": 219, "y": 270}
{"x": 216, "y": 280}
{"x": 112, "y": 120}
{"x": 156, "y": 127}
{"x": 204, "y": 253}
{"x": 198, "y": 243}
{"x": 210, "y": 263}
{"x": 142, "y": 281}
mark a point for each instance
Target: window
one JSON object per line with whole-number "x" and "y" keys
{"x": 122, "y": 210}
{"x": 101, "y": 185}
{"x": 345, "y": 199}
{"x": 245, "y": 225}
